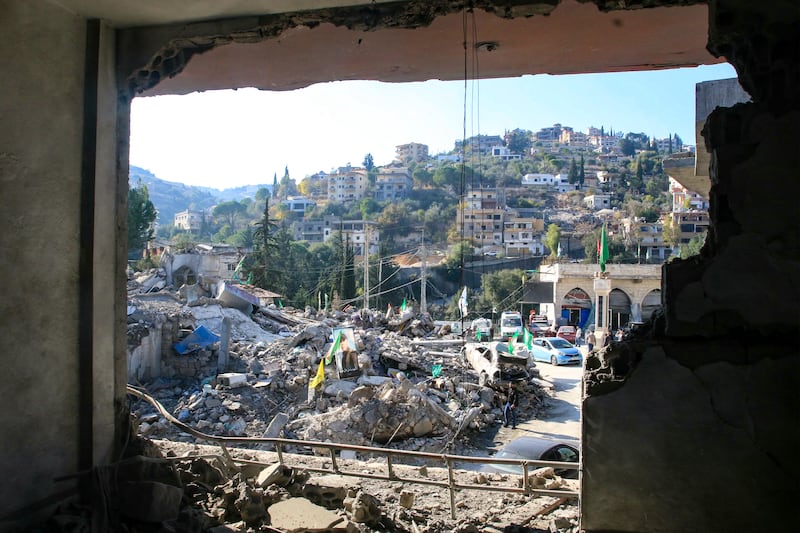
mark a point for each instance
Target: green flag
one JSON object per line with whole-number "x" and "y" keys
{"x": 478, "y": 335}
{"x": 403, "y": 306}
{"x": 527, "y": 338}
{"x": 280, "y": 304}
{"x": 334, "y": 348}
{"x": 436, "y": 370}
{"x": 603, "y": 255}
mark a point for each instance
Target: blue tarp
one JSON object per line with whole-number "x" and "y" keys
{"x": 197, "y": 340}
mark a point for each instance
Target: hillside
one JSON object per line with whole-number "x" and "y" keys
{"x": 170, "y": 197}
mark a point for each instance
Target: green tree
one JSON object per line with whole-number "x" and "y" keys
{"x": 141, "y": 217}
{"x": 572, "y": 177}
{"x": 518, "y": 141}
{"x": 369, "y": 162}
{"x": 229, "y": 211}
{"x": 502, "y": 289}
{"x": 582, "y": 173}
{"x": 627, "y": 147}
{"x": 552, "y": 238}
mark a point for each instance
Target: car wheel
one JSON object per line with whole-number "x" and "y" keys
{"x": 553, "y": 360}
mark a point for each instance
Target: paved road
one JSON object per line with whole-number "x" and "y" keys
{"x": 561, "y": 418}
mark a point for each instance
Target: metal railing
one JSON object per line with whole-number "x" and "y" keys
{"x": 391, "y": 475}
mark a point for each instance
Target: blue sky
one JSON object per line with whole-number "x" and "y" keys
{"x": 230, "y": 138}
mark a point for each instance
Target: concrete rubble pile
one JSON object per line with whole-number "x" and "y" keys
{"x": 393, "y": 400}
{"x": 170, "y": 486}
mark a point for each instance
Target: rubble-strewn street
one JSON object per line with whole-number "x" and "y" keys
{"x": 391, "y": 381}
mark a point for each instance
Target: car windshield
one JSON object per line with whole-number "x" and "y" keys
{"x": 559, "y": 343}
{"x": 512, "y": 321}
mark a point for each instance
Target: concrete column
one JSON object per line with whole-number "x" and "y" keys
{"x": 602, "y": 291}
{"x": 224, "y": 345}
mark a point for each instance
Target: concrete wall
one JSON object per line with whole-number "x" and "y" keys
{"x": 696, "y": 427}
{"x": 52, "y": 425}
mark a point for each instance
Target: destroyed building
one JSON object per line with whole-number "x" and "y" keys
{"x": 705, "y": 404}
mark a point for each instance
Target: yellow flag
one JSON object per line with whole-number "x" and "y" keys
{"x": 320, "y": 377}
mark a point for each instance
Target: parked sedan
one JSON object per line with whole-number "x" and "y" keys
{"x": 555, "y": 350}
{"x": 566, "y": 333}
{"x": 537, "y": 449}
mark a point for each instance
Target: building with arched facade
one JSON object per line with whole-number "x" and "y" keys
{"x": 564, "y": 292}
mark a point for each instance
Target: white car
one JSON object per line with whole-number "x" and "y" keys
{"x": 495, "y": 365}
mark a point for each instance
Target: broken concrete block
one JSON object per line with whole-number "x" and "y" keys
{"x": 407, "y": 499}
{"x": 232, "y": 379}
{"x": 150, "y": 501}
{"x": 276, "y": 474}
{"x": 365, "y": 509}
{"x": 328, "y": 491}
{"x": 299, "y": 514}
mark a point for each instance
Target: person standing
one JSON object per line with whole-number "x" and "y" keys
{"x": 578, "y": 335}
{"x": 590, "y": 341}
{"x": 510, "y": 408}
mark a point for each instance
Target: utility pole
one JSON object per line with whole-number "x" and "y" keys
{"x": 366, "y": 265}
{"x": 423, "y": 301}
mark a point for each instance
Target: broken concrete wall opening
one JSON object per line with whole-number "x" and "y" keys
{"x": 709, "y": 396}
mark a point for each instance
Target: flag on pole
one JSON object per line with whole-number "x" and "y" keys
{"x": 280, "y": 304}
{"x": 527, "y": 338}
{"x": 319, "y": 378}
{"x": 403, "y": 306}
{"x": 511, "y": 342}
{"x": 602, "y": 257}
{"x": 462, "y": 302}
{"x": 478, "y": 335}
{"x": 337, "y": 341}
{"x": 558, "y": 251}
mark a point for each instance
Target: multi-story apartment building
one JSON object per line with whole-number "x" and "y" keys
{"x": 392, "y": 183}
{"x": 647, "y": 238}
{"x": 574, "y": 140}
{"x": 482, "y": 226}
{"x": 522, "y": 235}
{"x": 683, "y": 199}
{"x": 670, "y": 145}
{"x": 487, "y": 198}
{"x": 690, "y": 223}
{"x": 361, "y": 234}
{"x": 348, "y": 184}
{"x": 548, "y": 134}
{"x": 190, "y": 220}
{"x": 309, "y": 230}
{"x": 481, "y": 143}
{"x": 407, "y": 153}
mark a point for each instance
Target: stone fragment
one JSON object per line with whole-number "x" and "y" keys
{"x": 407, "y": 499}
{"x": 276, "y": 474}
{"x": 299, "y": 514}
{"x": 365, "y": 509}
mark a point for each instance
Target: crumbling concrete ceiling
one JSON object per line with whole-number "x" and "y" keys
{"x": 405, "y": 42}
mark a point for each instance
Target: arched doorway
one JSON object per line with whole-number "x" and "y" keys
{"x": 619, "y": 305}
{"x": 650, "y": 303}
{"x": 576, "y": 307}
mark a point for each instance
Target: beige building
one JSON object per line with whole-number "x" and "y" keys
{"x": 346, "y": 185}
{"x": 357, "y": 233}
{"x": 407, "y": 153}
{"x": 564, "y": 292}
{"x": 190, "y": 220}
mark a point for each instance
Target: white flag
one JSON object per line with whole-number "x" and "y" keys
{"x": 462, "y": 302}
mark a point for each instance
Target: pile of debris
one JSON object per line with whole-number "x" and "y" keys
{"x": 168, "y": 486}
{"x": 227, "y": 373}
